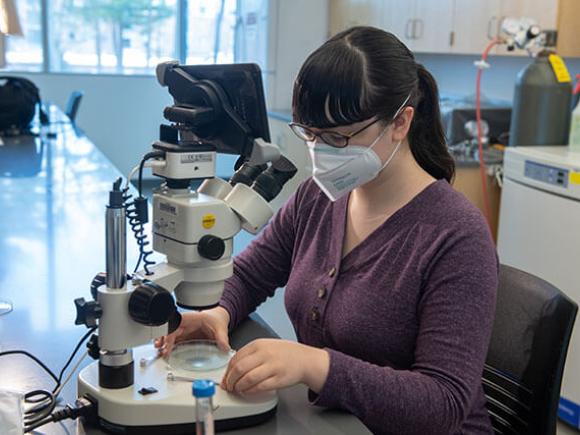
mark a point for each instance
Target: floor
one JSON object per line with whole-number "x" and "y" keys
{"x": 566, "y": 430}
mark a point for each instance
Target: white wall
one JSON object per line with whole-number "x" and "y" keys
{"x": 301, "y": 27}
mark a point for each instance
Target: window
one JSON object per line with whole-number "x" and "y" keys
{"x": 122, "y": 36}
{"x": 25, "y": 53}
{"x": 211, "y": 29}
{"x": 111, "y": 36}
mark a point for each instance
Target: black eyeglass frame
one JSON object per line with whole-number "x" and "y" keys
{"x": 345, "y": 137}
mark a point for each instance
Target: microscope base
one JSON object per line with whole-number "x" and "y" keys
{"x": 170, "y": 410}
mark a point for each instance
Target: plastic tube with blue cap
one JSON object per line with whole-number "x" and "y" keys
{"x": 203, "y": 391}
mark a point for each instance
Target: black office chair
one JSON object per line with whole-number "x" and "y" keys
{"x": 73, "y": 104}
{"x": 523, "y": 372}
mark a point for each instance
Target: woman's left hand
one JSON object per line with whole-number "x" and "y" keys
{"x": 271, "y": 364}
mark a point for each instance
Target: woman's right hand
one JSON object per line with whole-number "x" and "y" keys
{"x": 211, "y": 324}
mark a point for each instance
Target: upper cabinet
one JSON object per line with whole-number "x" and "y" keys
{"x": 399, "y": 18}
{"x": 458, "y": 26}
{"x": 475, "y": 24}
{"x": 432, "y": 26}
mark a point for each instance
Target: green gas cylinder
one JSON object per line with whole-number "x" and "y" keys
{"x": 541, "y": 109}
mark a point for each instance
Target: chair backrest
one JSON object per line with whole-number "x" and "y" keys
{"x": 73, "y": 104}
{"x": 523, "y": 372}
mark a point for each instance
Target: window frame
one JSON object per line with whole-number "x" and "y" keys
{"x": 46, "y": 68}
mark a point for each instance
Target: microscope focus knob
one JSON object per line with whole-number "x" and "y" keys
{"x": 87, "y": 312}
{"x": 211, "y": 247}
{"x": 151, "y": 305}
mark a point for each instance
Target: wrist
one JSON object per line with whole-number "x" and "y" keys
{"x": 223, "y": 314}
{"x": 316, "y": 367}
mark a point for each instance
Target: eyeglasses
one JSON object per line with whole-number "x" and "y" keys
{"x": 332, "y": 138}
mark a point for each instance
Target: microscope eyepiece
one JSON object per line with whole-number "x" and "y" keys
{"x": 247, "y": 174}
{"x": 270, "y": 182}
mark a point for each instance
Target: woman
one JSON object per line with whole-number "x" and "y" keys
{"x": 390, "y": 274}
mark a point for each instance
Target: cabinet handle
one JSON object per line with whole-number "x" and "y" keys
{"x": 490, "y": 22}
{"x": 408, "y": 34}
{"x": 420, "y": 27}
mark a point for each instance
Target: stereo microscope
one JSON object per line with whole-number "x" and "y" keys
{"x": 217, "y": 109}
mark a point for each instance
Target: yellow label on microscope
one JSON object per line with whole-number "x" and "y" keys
{"x": 574, "y": 177}
{"x": 208, "y": 221}
{"x": 560, "y": 70}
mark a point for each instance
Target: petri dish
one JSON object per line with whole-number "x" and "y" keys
{"x": 198, "y": 356}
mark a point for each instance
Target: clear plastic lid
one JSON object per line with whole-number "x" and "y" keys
{"x": 198, "y": 356}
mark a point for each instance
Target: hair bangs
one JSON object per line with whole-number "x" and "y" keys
{"x": 329, "y": 90}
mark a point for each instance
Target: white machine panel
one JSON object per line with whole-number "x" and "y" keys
{"x": 539, "y": 232}
{"x": 554, "y": 169}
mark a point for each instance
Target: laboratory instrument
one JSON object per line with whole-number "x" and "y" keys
{"x": 217, "y": 109}
{"x": 538, "y": 233}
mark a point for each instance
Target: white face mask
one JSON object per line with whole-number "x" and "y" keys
{"x": 338, "y": 171}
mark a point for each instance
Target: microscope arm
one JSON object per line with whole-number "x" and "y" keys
{"x": 117, "y": 329}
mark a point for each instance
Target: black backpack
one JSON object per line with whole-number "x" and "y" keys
{"x": 18, "y": 100}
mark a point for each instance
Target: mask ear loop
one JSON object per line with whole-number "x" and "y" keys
{"x": 397, "y": 113}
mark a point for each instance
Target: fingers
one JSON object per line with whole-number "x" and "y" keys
{"x": 165, "y": 344}
{"x": 240, "y": 354}
{"x": 237, "y": 368}
{"x": 195, "y": 325}
{"x": 253, "y": 378}
{"x": 269, "y": 384}
{"x": 159, "y": 342}
{"x": 222, "y": 340}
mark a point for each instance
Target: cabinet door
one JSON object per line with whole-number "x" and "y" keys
{"x": 398, "y": 18}
{"x": 433, "y": 25}
{"x": 349, "y": 13}
{"x": 475, "y": 23}
{"x": 544, "y": 12}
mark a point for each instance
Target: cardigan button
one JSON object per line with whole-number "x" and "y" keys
{"x": 332, "y": 272}
{"x": 321, "y": 292}
{"x": 314, "y": 314}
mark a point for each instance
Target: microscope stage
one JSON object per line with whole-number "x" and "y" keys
{"x": 171, "y": 409}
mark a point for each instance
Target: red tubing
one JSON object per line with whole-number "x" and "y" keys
{"x": 482, "y": 169}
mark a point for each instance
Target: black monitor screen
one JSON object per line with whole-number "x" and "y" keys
{"x": 240, "y": 86}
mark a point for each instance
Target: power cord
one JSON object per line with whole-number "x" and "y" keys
{"x": 84, "y": 407}
{"x": 41, "y": 403}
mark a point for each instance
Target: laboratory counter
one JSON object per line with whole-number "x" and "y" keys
{"x": 53, "y": 190}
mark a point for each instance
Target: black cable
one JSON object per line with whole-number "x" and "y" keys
{"x": 135, "y": 209}
{"x": 138, "y": 262}
{"x": 37, "y": 424}
{"x": 41, "y": 413}
{"x": 40, "y": 363}
{"x": 83, "y": 407}
{"x": 69, "y": 361}
{"x": 135, "y": 217}
{"x": 146, "y": 157}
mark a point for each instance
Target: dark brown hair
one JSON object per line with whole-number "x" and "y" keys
{"x": 364, "y": 72}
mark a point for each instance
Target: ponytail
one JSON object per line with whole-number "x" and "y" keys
{"x": 426, "y": 137}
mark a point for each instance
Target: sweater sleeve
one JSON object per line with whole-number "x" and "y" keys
{"x": 263, "y": 266}
{"x": 435, "y": 395}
